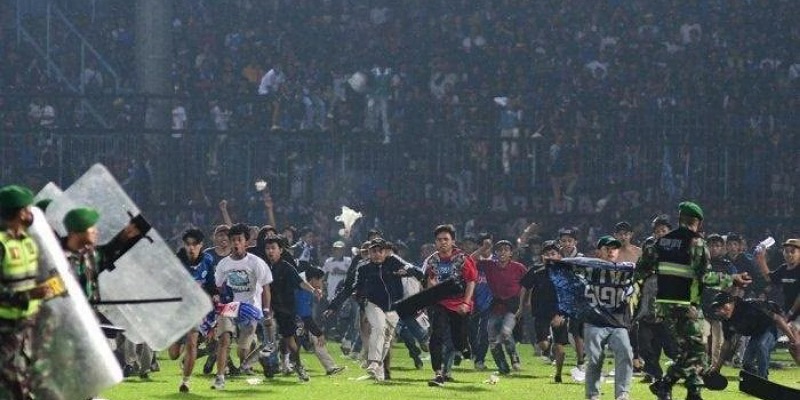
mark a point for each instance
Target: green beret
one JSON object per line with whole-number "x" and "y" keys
{"x": 81, "y": 219}
{"x": 609, "y": 241}
{"x": 690, "y": 209}
{"x": 43, "y": 203}
{"x": 13, "y": 196}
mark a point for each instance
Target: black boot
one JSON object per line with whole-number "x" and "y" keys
{"x": 662, "y": 389}
{"x": 693, "y": 394}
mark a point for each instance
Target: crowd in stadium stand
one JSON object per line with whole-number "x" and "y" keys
{"x": 569, "y": 74}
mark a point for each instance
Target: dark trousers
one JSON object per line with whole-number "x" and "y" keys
{"x": 653, "y": 338}
{"x": 448, "y": 336}
{"x": 411, "y": 332}
{"x": 479, "y": 335}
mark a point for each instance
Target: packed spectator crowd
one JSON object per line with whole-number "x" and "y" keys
{"x": 608, "y": 96}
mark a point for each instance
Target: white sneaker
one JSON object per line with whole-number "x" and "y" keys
{"x": 219, "y": 383}
{"x": 375, "y": 370}
{"x": 578, "y": 375}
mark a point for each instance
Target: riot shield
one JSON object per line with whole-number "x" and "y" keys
{"x": 144, "y": 288}
{"x": 49, "y": 191}
{"x": 72, "y": 359}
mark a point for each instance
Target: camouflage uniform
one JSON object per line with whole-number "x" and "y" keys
{"x": 18, "y": 311}
{"x": 681, "y": 261}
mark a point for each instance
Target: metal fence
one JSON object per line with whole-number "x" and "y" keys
{"x": 439, "y": 172}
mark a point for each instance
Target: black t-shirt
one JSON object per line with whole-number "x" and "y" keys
{"x": 544, "y": 303}
{"x": 789, "y": 279}
{"x": 285, "y": 280}
{"x": 752, "y": 317}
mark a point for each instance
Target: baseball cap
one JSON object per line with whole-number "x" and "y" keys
{"x": 609, "y": 241}
{"x": 734, "y": 237}
{"x": 549, "y": 245}
{"x": 792, "y": 242}
{"x": 504, "y": 243}
{"x": 715, "y": 237}
{"x": 378, "y": 242}
{"x": 571, "y": 232}
{"x": 721, "y": 299}
{"x": 338, "y": 244}
{"x": 623, "y": 227}
{"x": 662, "y": 219}
{"x": 222, "y": 229}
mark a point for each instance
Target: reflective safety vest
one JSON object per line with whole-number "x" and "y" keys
{"x": 18, "y": 271}
{"x": 678, "y": 282}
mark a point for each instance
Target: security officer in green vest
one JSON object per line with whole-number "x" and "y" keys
{"x": 681, "y": 262}
{"x": 20, "y": 293}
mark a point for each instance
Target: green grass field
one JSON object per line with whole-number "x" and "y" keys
{"x": 535, "y": 381}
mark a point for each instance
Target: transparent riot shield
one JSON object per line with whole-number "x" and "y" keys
{"x": 144, "y": 288}
{"x": 72, "y": 358}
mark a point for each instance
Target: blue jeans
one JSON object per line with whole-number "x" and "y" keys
{"x": 501, "y": 329}
{"x": 595, "y": 339}
{"x": 757, "y": 354}
{"x": 411, "y": 332}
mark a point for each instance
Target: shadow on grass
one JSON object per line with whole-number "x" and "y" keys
{"x": 188, "y": 396}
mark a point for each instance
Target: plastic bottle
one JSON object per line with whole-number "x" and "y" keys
{"x": 765, "y": 244}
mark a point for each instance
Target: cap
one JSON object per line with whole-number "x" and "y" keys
{"x": 690, "y": 209}
{"x": 365, "y": 245}
{"x": 338, "y": 244}
{"x": 715, "y": 237}
{"x": 549, "y": 245}
{"x": 608, "y": 241}
{"x": 378, "y": 242}
{"x": 80, "y": 219}
{"x": 623, "y": 227}
{"x": 571, "y": 232}
{"x": 662, "y": 219}
{"x": 721, "y": 299}
{"x": 221, "y": 229}
{"x": 503, "y": 243}
{"x": 14, "y": 196}
{"x": 733, "y": 237}
{"x": 792, "y": 242}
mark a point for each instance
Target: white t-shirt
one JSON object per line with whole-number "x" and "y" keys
{"x": 245, "y": 277}
{"x": 336, "y": 271}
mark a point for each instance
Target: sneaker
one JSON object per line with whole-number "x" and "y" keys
{"x": 480, "y": 366}
{"x": 184, "y": 388}
{"x": 144, "y": 375}
{"x": 219, "y": 383}
{"x": 449, "y": 378}
{"x": 578, "y": 375}
{"x": 247, "y": 370}
{"x": 418, "y": 364}
{"x": 208, "y": 367}
{"x": 302, "y": 375}
{"x": 335, "y": 371}
{"x": 375, "y": 370}
{"x": 437, "y": 381}
{"x": 516, "y": 367}
{"x": 128, "y": 370}
{"x": 155, "y": 366}
{"x": 624, "y": 396}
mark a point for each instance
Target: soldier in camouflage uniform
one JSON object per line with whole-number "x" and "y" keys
{"x": 20, "y": 293}
{"x": 680, "y": 259}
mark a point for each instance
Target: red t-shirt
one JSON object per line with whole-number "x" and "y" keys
{"x": 504, "y": 282}
{"x": 469, "y": 273}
